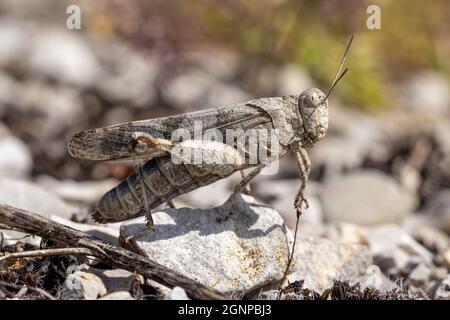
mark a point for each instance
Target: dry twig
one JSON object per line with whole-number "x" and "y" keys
{"x": 114, "y": 256}
{"x": 47, "y": 253}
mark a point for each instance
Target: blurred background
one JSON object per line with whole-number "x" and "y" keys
{"x": 384, "y": 162}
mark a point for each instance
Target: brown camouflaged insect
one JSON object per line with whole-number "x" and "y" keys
{"x": 298, "y": 122}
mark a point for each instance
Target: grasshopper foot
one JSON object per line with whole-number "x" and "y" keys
{"x": 170, "y": 204}
{"x": 149, "y": 228}
{"x": 299, "y": 204}
{"x": 232, "y": 208}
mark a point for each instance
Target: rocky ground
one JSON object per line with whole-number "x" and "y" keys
{"x": 378, "y": 225}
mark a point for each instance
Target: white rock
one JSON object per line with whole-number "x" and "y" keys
{"x": 384, "y": 240}
{"x": 161, "y": 289}
{"x": 115, "y": 279}
{"x": 446, "y": 257}
{"x": 292, "y": 79}
{"x": 312, "y": 229}
{"x": 26, "y": 195}
{"x": 431, "y": 237}
{"x": 420, "y": 275}
{"x": 365, "y": 197}
{"x": 218, "y": 192}
{"x": 223, "y": 94}
{"x": 64, "y": 56}
{"x": 360, "y": 137}
{"x": 16, "y": 160}
{"x": 427, "y": 92}
{"x": 439, "y": 211}
{"x": 442, "y": 289}
{"x": 281, "y": 194}
{"x": 442, "y": 134}
{"x": 127, "y": 75}
{"x": 345, "y": 233}
{"x": 82, "y": 285}
{"x": 268, "y": 295}
{"x": 107, "y": 232}
{"x": 373, "y": 278}
{"x": 177, "y": 293}
{"x": 219, "y": 63}
{"x": 320, "y": 261}
{"x": 56, "y": 107}
{"x": 188, "y": 89}
{"x": 9, "y": 89}
{"x": 245, "y": 252}
{"x": 395, "y": 260}
{"x": 118, "y": 295}
{"x": 86, "y": 191}
{"x": 14, "y": 41}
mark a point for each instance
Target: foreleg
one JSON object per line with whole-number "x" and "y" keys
{"x": 304, "y": 165}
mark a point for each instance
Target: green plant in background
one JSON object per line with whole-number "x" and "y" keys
{"x": 414, "y": 37}
{"x": 364, "y": 88}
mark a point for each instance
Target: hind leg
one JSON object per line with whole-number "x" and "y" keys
{"x": 239, "y": 187}
{"x": 170, "y": 204}
{"x": 246, "y": 189}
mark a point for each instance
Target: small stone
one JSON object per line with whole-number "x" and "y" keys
{"x": 188, "y": 89}
{"x": 395, "y": 260}
{"x": 418, "y": 225}
{"x": 439, "y": 211}
{"x": 374, "y": 278}
{"x": 116, "y": 279}
{"x": 161, "y": 289}
{"x": 320, "y": 261}
{"x": 86, "y": 191}
{"x": 442, "y": 289}
{"x": 345, "y": 233}
{"x": 82, "y": 285}
{"x": 223, "y": 94}
{"x": 446, "y": 258}
{"x": 432, "y": 238}
{"x": 384, "y": 241}
{"x": 16, "y": 160}
{"x": 268, "y": 295}
{"x": 356, "y": 133}
{"x": 420, "y": 275}
{"x": 74, "y": 62}
{"x": 427, "y": 91}
{"x": 442, "y": 135}
{"x": 292, "y": 79}
{"x": 109, "y": 232}
{"x": 220, "y": 63}
{"x": 117, "y": 295}
{"x": 439, "y": 273}
{"x": 127, "y": 75}
{"x": 177, "y": 293}
{"x": 218, "y": 192}
{"x": 243, "y": 253}
{"x": 281, "y": 194}
{"x": 381, "y": 200}
{"x": 27, "y": 196}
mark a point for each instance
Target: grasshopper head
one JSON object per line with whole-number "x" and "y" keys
{"x": 313, "y": 108}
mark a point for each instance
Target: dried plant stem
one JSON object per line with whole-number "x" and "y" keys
{"x": 38, "y": 290}
{"x": 47, "y": 253}
{"x": 114, "y": 256}
{"x": 291, "y": 257}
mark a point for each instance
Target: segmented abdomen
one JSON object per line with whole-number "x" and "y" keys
{"x": 162, "y": 181}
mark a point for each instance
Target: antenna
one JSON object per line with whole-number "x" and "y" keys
{"x": 338, "y": 76}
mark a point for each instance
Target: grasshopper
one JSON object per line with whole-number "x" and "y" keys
{"x": 296, "y": 121}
